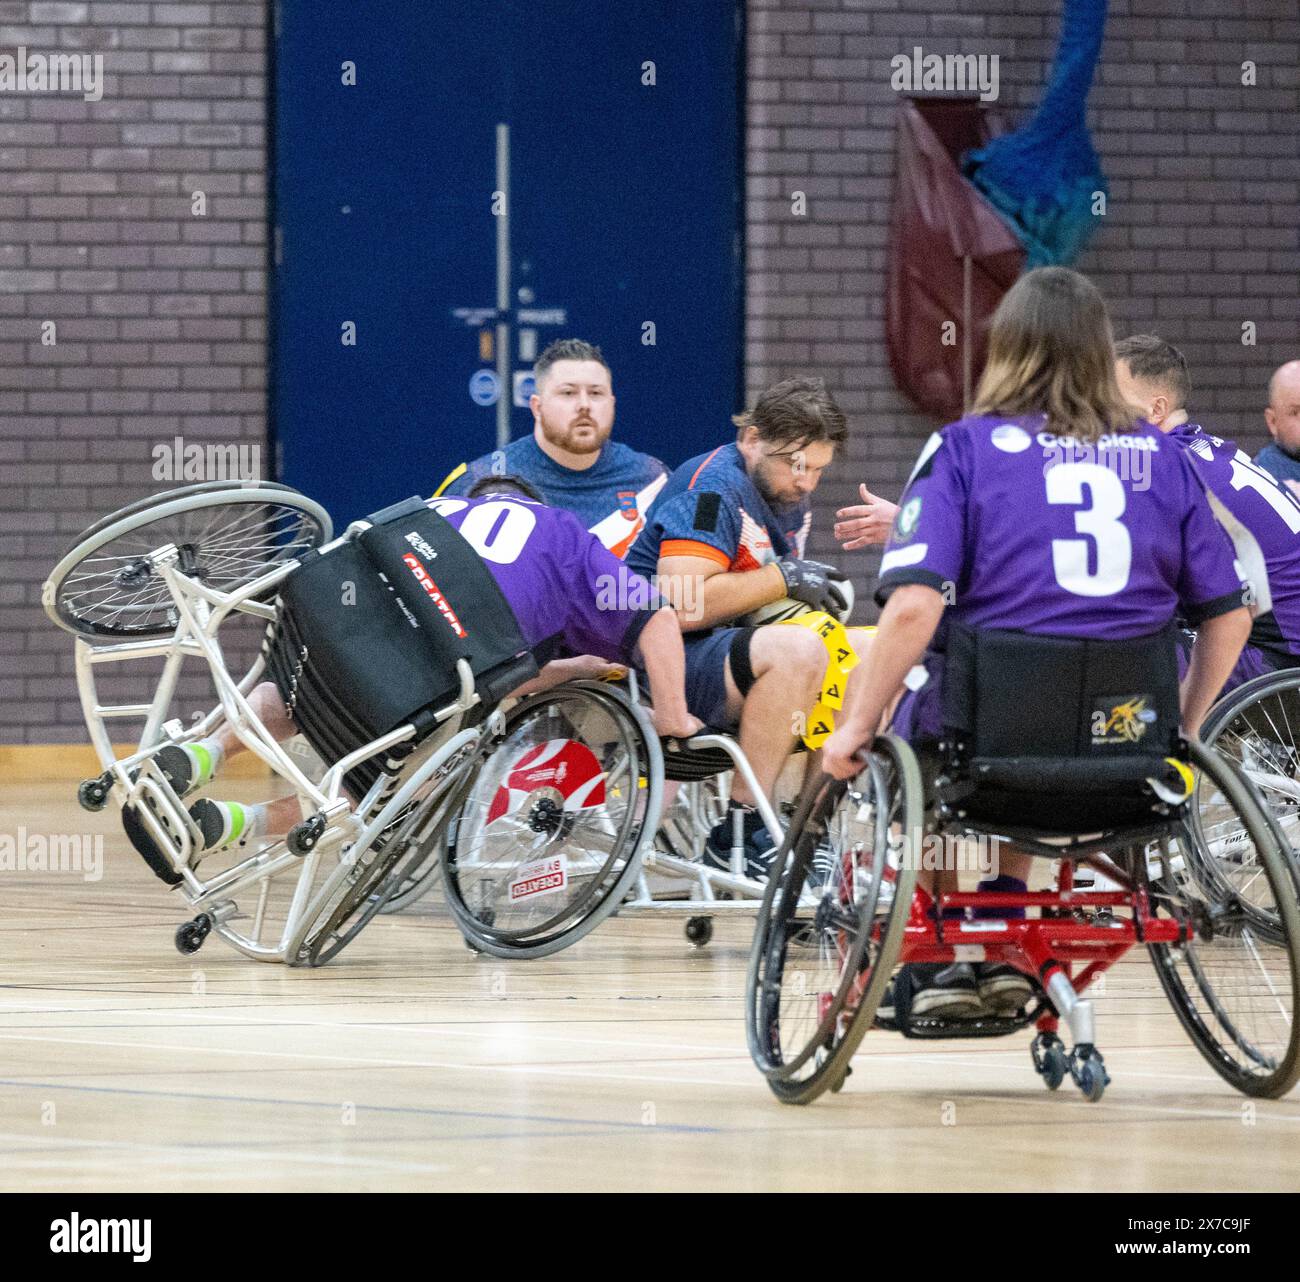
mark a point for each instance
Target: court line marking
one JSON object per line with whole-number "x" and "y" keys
{"x": 180, "y": 1150}
{"x": 333, "y": 1105}
{"x": 380, "y": 1063}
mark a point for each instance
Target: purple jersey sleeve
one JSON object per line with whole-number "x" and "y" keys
{"x": 1211, "y": 582}
{"x": 926, "y": 544}
{"x": 609, "y": 603}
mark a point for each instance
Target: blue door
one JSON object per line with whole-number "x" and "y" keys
{"x": 624, "y": 210}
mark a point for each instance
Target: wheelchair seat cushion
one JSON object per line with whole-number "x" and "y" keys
{"x": 369, "y": 632}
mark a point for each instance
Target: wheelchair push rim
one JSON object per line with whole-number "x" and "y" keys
{"x": 363, "y": 892}
{"x": 1252, "y": 728}
{"x": 817, "y": 975}
{"x": 546, "y": 838}
{"x": 226, "y": 534}
{"x": 1235, "y": 985}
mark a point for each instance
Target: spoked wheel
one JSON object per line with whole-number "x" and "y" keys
{"x": 547, "y": 840}
{"x": 226, "y": 535}
{"x": 1235, "y": 985}
{"x": 1257, "y": 728}
{"x": 360, "y": 888}
{"x": 831, "y": 925}
{"x": 416, "y": 877}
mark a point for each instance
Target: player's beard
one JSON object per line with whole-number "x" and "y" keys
{"x": 763, "y": 476}
{"x": 567, "y": 436}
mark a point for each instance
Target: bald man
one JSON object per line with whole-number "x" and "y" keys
{"x": 1282, "y": 458}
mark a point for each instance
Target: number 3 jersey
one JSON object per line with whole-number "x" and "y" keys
{"x": 1268, "y": 511}
{"x": 568, "y": 593}
{"x": 1026, "y": 530}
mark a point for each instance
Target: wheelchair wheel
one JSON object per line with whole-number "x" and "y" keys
{"x": 546, "y": 839}
{"x": 416, "y": 877}
{"x": 831, "y": 925}
{"x": 226, "y": 533}
{"x": 361, "y": 887}
{"x": 1257, "y": 728}
{"x": 1234, "y": 985}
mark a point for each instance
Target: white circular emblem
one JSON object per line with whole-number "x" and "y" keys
{"x": 1010, "y": 439}
{"x": 907, "y": 518}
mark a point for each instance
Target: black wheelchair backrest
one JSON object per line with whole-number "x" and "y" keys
{"x": 1012, "y": 694}
{"x": 369, "y": 632}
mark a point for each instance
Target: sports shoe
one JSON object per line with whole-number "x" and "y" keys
{"x": 946, "y": 992}
{"x": 759, "y": 846}
{"x": 223, "y": 823}
{"x": 1002, "y": 988}
{"x": 185, "y": 768}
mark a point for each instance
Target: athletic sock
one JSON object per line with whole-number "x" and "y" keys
{"x": 1000, "y": 885}
{"x": 223, "y": 823}
{"x": 207, "y": 756}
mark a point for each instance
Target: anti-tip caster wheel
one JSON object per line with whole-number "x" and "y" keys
{"x": 1089, "y": 1072}
{"x": 699, "y": 930}
{"x": 838, "y": 1085}
{"x": 1050, "y": 1060}
{"x": 190, "y": 936}
{"x": 92, "y": 794}
{"x": 303, "y": 836}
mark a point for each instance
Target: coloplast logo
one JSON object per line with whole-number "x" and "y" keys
{"x": 435, "y": 592}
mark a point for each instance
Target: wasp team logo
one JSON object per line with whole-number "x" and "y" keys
{"x": 1121, "y": 721}
{"x": 627, "y": 504}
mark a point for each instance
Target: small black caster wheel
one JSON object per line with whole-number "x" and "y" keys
{"x": 303, "y": 836}
{"x": 699, "y": 930}
{"x": 1050, "y": 1060}
{"x": 92, "y": 794}
{"x": 1089, "y": 1072}
{"x": 838, "y": 1085}
{"x": 190, "y": 936}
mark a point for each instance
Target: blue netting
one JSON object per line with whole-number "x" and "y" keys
{"x": 1043, "y": 178}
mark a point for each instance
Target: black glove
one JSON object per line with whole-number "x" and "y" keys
{"x": 811, "y": 583}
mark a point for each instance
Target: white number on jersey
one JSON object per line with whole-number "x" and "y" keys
{"x": 1100, "y": 521}
{"x": 1246, "y": 475}
{"x": 497, "y": 531}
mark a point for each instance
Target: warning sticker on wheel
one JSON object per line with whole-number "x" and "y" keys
{"x": 543, "y": 877}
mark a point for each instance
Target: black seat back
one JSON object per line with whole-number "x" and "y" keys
{"x": 369, "y": 633}
{"x": 1060, "y": 733}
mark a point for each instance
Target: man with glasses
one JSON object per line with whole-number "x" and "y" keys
{"x": 724, "y": 539}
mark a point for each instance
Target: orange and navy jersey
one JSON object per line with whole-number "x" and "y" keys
{"x": 710, "y": 508}
{"x": 610, "y": 498}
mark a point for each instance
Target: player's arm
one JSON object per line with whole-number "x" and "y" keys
{"x": 907, "y": 626}
{"x": 660, "y": 648}
{"x": 1218, "y": 645}
{"x": 705, "y": 593}
{"x": 581, "y": 667}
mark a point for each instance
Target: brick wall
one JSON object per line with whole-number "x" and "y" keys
{"x": 159, "y": 314}
{"x": 1201, "y": 232}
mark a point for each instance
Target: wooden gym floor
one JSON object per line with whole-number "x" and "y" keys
{"x": 618, "y": 1065}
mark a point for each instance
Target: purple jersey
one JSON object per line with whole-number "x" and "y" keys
{"x": 1026, "y": 530}
{"x": 1270, "y": 513}
{"x": 569, "y": 594}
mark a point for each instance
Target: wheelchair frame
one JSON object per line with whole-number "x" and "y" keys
{"x": 1077, "y": 938}
{"x": 330, "y": 822}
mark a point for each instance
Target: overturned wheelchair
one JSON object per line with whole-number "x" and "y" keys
{"x": 396, "y": 682}
{"x": 1144, "y": 808}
